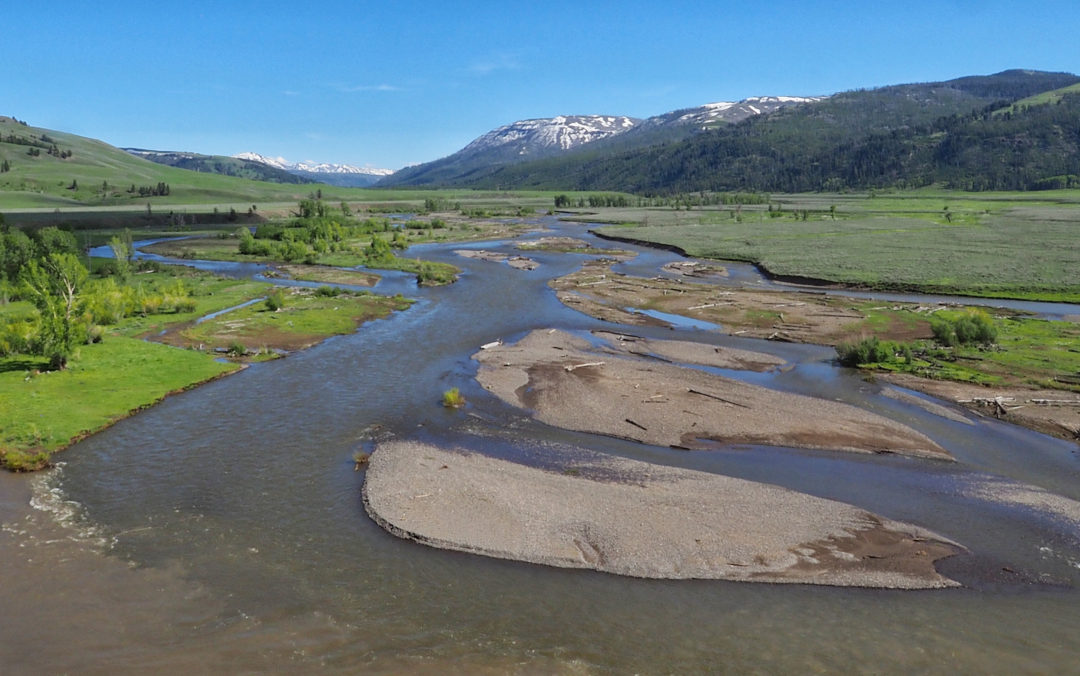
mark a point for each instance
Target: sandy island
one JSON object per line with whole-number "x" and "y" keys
{"x": 574, "y": 245}
{"x": 569, "y": 383}
{"x": 518, "y": 262}
{"x": 638, "y": 519}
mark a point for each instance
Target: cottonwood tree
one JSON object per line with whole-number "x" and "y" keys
{"x": 52, "y": 284}
{"x": 123, "y": 250}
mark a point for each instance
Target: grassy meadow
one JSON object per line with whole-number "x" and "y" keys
{"x": 1019, "y": 245}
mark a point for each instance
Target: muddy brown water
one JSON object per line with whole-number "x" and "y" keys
{"x": 222, "y": 531}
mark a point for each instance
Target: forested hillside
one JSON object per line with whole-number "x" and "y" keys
{"x": 952, "y": 133}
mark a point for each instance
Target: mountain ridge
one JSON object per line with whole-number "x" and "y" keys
{"x": 890, "y": 136}
{"x": 539, "y": 138}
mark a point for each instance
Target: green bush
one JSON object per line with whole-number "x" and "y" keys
{"x": 275, "y": 300}
{"x": 973, "y": 327}
{"x": 453, "y": 398}
{"x": 866, "y": 351}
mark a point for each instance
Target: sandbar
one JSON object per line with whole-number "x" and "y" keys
{"x": 639, "y": 519}
{"x": 568, "y": 383}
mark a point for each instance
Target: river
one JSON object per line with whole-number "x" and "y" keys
{"x": 222, "y": 531}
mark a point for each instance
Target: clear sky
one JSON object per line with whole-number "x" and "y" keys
{"x": 394, "y": 83}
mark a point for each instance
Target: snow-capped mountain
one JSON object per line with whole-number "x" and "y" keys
{"x": 543, "y": 136}
{"x": 219, "y": 164}
{"x": 712, "y": 114}
{"x": 534, "y": 139}
{"x": 334, "y": 174}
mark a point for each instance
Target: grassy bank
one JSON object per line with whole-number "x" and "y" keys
{"x": 292, "y": 319}
{"x": 44, "y": 411}
{"x": 344, "y": 239}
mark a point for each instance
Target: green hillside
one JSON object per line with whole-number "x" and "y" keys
{"x": 46, "y": 168}
{"x": 1042, "y": 98}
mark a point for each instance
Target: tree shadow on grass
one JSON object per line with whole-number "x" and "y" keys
{"x": 23, "y": 364}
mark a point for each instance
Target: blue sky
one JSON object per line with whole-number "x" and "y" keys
{"x": 395, "y": 83}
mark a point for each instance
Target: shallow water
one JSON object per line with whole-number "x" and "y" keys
{"x": 222, "y": 530}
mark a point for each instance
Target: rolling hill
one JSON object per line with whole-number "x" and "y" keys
{"x": 43, "y": 168}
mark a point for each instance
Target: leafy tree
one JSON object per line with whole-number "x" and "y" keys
{"x": 52, "y": 240}
{"x": 16, "y": 250}
{"x": 379, "y": 250}
{"x": 52, "y": 284}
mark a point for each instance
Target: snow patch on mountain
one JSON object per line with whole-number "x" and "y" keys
{"x": 729, "y": 111}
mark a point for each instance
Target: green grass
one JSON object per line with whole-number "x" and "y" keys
{"x": 41, "y": 411}
{"x": 1027, "y": 353}
{"x": 210, "y": 293}
{"x": 305, "y": 318}
{"x": 1041, "y": 99}
{"x": 105, "y": 382}
{"x": 1002, "y": 245}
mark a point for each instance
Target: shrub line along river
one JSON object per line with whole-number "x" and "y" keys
{"x": 222, "y": 530}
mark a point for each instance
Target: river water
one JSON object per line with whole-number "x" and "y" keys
{"x": 222, "y": 530}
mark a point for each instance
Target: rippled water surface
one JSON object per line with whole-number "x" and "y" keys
{"x": 222, "y": 530}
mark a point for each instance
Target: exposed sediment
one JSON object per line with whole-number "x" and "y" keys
{"x": 791, "y": 316}
{"x": 633, "y": 518}
{"x": 1053, "y": 412}
{"x": 568, "y": 383}
{"x": 688, "y": 352}
{"x": 518, "y": 262}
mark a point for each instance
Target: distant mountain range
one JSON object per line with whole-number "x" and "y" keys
{"x": 535, "y": 139}
{"x": 1014, "y": 130}
{"x": 344, "y": 175}
{"x": 220, "y": 164}
{"x": 261, "y": 168}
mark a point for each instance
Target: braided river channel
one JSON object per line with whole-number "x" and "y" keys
{"x": 222, "y": 530}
